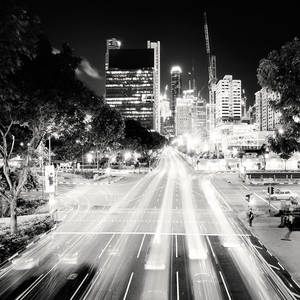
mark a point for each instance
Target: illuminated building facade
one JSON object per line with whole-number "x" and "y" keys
{"x": 228, "y": 100}
{"x": 176, "y": 91}
{"x": 183, "y": 116}
{"x": 110, "y": 45}
{"x": 266, "y": 118}
{"x": 156, "y": 47}
{"x": 130, "y": 84}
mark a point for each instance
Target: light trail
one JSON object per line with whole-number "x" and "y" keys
{"x": 202, "y": 273}
{"x": 245, "y": 261}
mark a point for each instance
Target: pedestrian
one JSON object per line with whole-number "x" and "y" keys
{"x": 250, "y": 216}
{"x": 290, "y": 226}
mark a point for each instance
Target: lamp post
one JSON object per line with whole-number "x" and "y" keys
{"x": 49, "y": 150}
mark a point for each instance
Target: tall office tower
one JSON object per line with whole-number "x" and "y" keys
{"x": 199, "y": 119}
{"x": 176, "y": 91}
{"x": 156, "y": 47}
{"x": 183, "y": 116}
{"x": 266, "y": 118}
{"x": 110, "y": 45}
{"x": 228, "y": 100}
{"x": 130, "y": 84}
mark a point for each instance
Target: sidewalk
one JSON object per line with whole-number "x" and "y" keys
{"x": 265, "y": 227}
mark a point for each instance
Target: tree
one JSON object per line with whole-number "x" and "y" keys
{"x": 39, "y": 94}
{"x": 138, "y": 138}
{"x": 280, "y": 72}
{"x": 107, "y": 127}
{"x": 284, "y": 145}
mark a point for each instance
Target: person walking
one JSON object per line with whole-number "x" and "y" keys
{"x": 290, "y": 226}
{"x": 250, "y": 216}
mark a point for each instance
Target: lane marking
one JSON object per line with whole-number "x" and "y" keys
{"x": 176, "y": 246}
{"x": 79, "y": 286}
{"x": 266, "y": 201}
{"x": 227, "y": 292}
{"x": 211, "y": 249}
{"x": 98, "y": 274}
{"x": 274, "y": 267}
{"x": 245, "y": 187}
{"x": 140, "y": 249}
{"x": 258, "y": 247}
{"x": 107, "y": 244}
{"x": 281, "y": 266}
{"x": 177, "y": 285}
{"x": 127, "y": 289}
{"x": 31, "y": 287}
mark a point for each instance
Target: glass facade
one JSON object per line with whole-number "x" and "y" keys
{"x": 130, "y": 84}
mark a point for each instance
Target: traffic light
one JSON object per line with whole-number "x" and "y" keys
{"x": 270, "y": 190}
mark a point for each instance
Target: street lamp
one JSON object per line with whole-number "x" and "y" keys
{"x": 281, "y": 131}
{"x": 89, "y": 157}
{"x": 127, "y": 155}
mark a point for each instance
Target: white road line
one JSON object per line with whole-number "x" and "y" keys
{"x": 177, "y": 285}
{"x": 35, "y": 283}
{"x": 269, "y": 252}
{"x": 274, "y": 267}
{"x": 266, "y": 201}
{"x": 281, "y": 266}
{"x": 176, "y": 246}
{"x": 245, "y": 187}
{"x": 258, "y": 247}
{"x": 211, "y": 249}
{"x": 107, "y": 244}
{"x": 84, "y": 279}
{"x": 296, "y": 283}
{"x": 227, "y": 292}
{"x": 127, "y": 289}
{"x": 141, "y": 246}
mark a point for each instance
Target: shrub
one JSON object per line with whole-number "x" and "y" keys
{"x": 11, "y": 243}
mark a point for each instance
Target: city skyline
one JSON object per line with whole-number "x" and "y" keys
{"x": 240, "y": 37}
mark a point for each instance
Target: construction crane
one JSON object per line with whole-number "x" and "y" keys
{"x": 212, "y": 79}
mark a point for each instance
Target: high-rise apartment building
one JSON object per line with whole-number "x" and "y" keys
{"x": 176, "y": 91}
{"x": 228, "y": 100}
{"x": 156, "y": 47}
{"x": 130, "y": 85}
{"x": 266, "y": 117}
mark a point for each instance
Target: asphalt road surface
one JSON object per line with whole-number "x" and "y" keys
{"x": 170, "y": 235}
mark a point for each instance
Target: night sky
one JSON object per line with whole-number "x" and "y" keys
{"x": 241, "y": 33}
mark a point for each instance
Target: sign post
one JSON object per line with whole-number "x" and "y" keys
{"x": 50, "y": 187}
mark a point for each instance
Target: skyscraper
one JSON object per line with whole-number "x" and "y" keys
{"x": 156, "y": 47}
{"x": 183, "y": 116}
{"x": 176, "y": 91}
{"x": 111, "y": 44}
{"x": 130, "y": 84}
{"x": 228, "y": 100}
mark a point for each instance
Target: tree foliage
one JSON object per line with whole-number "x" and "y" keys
{"x": 39, "y": 94}
{"x": 284, "y": 145}
{"x": 140, "y": 139}
{"x": 280, "y": 72}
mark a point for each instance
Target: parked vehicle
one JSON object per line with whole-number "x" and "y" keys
{"x": 283, "y": 195}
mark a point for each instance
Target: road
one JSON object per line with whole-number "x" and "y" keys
{"x": 169, "y": 235}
